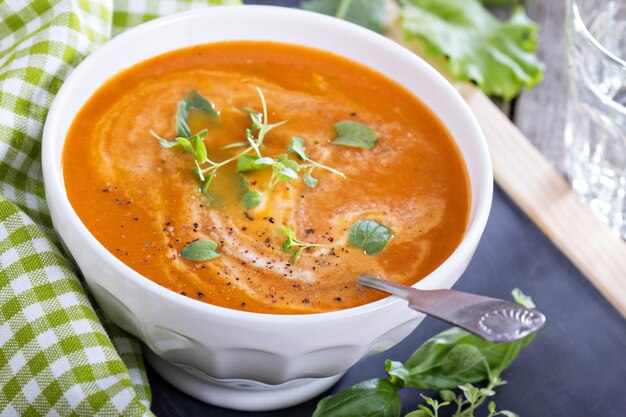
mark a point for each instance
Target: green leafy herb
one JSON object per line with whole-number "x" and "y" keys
{"x": 367, "y": 13}
{"x": 369, "y": 235}
{"x": 521, "y": 298}
{"x": 498, "y": 56}
{"x": 292, "y": 242}
{"x": 373, "y": 398}
{"x": 309, "y": 180}
{"x": 200, "y": 250}
{"x": 251, "y": 199}
{"x": 297, "y": 147}
{"x": 355, "y": 134}
{"x": 247, "y": 163}
{"x": 193, "y": 145}
{"x": 453, "y": 359}
{"x": 192, "y": 101}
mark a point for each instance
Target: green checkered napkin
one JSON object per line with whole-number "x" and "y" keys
{"x": 59, "y": 356}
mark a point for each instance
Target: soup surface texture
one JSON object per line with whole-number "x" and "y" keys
{"x": 143, "y": 202}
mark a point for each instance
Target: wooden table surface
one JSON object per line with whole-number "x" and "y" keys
{"x": 577, "y": 364}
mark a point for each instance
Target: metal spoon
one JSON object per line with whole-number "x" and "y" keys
{"x": 492, "y": 319}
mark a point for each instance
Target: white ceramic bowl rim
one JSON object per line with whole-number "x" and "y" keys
{"x": 54, "y": 183}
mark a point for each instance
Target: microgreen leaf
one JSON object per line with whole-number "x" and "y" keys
{"x": 186, "y": 144}
{"x": 251, "y": 199}
{"x": 198, "y": 146}
{"x": 447, "y": 395}
{"x": 164, "y": 142}
{"x": 369, "y": 235}
{"x": 285, "y": 174}
{"x": 288, "y": 163}
{"x": 355, "y": 134}
{"x": 200, "y": 250}
{"x": 498, "y": 56}
{"x": 309, "y": 180}
{"x": 247, "y": 163}
{"x": 182, "y": 128}
{"x": 367, "y": 13}
{"x": 292, "y": 242}
{"x": 297, "y": 147}
{"x": 289, "y": 233}
{"x": 522, "y": 299}
{"x": 372, "y": 398}
{"x": 207, "y": 183}
{"x": 192, "y": 101}
{"x": 197, "y": 101}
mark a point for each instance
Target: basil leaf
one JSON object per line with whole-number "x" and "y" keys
{"x": 297, "y": 147}
{"x": 372, "y": 398}
{"x": 369, "y": 235}
{"x": 451, "y": 358}
{"x": 251, "y": 199}
{"x": 309, "y": 180}
{"x": 355, "y": 134}
{"x": 248, "y": 163}
{"x": 461, "y": 358}
{"x": 200, "y": 250}
{"x": 194, "y": 101}
{"x": 367, "y": 13}
{"x": 499, "y": 56}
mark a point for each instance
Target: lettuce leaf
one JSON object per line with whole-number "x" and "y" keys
{"x": 499, "y": 56}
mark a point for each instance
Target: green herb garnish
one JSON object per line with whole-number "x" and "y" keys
{"x": 297, "y": 147}
{"x": 309, "y": 180}
{"x": 200, "y": 250}
{"x": 292, "y": 242}
{"x": 453, "y": 359}
{"x": 369, "y": 235}
{"x": 250, "y": 158}
{"x": 355, "y": 134}
{"x": 192, "y": 101}
{"x": 251, "y": 199}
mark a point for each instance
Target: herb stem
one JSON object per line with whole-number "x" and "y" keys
{"x": 312, "y": 163}
{"x": 215, "y": 166}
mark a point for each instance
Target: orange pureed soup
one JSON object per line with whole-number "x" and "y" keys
{"x": 148, "y": 205}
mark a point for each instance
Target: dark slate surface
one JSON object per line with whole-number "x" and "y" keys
{"x": 575, "y": 367}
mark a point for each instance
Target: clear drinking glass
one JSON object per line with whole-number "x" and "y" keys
{"x": 595, "y": 132}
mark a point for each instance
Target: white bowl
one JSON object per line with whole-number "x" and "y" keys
{"x": 231, "y": 358}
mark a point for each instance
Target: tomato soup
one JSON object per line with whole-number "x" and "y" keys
{"x": 281, "y": 231}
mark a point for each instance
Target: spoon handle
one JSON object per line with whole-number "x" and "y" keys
{"x": 492, "y": 319}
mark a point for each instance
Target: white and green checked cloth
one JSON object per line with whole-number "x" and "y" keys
{"x": 59, "y": 356}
